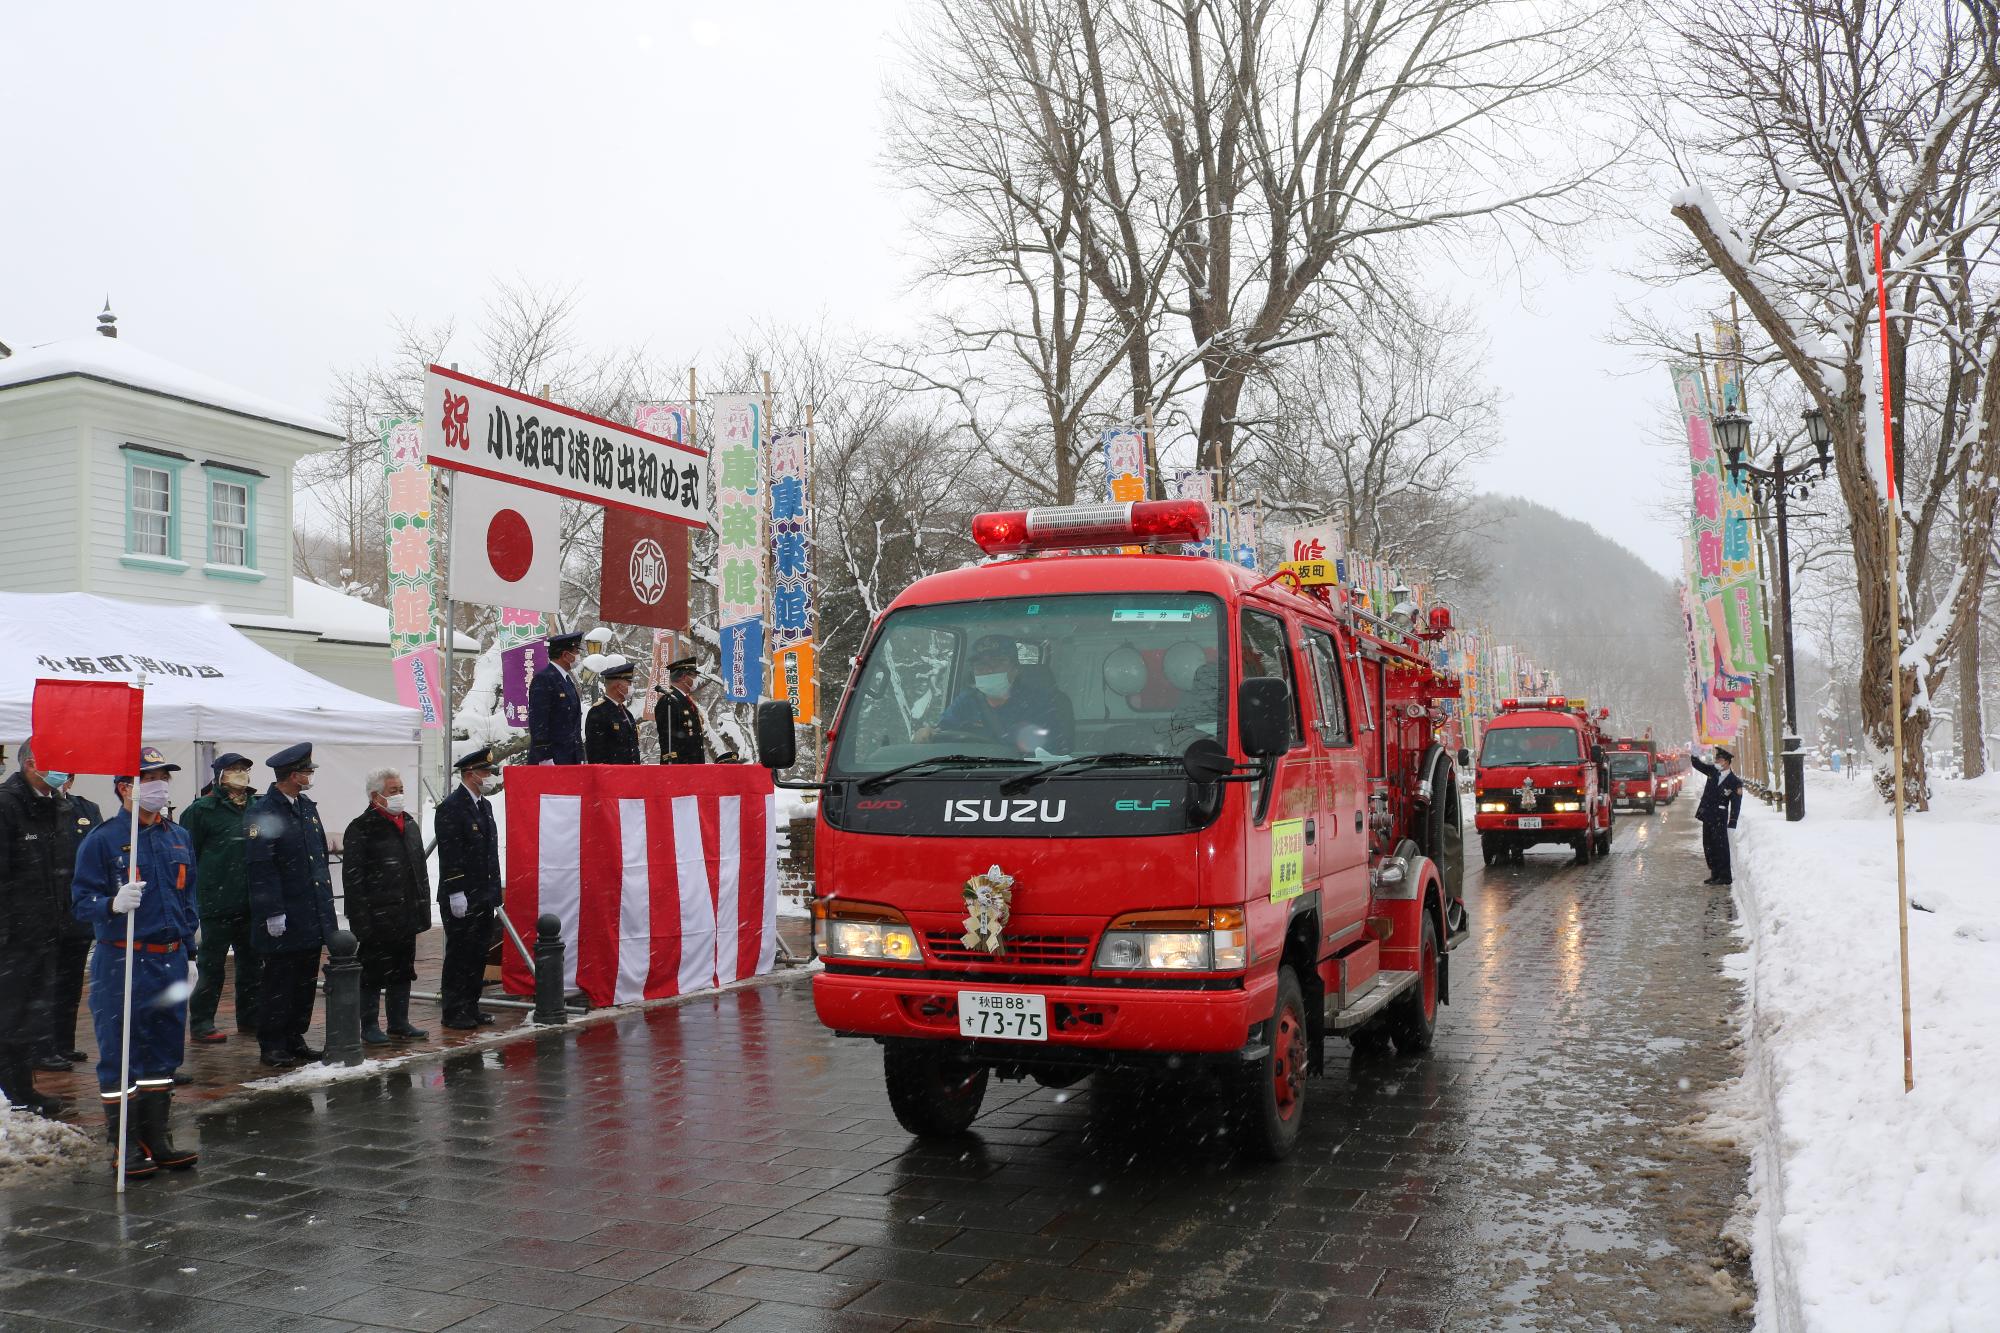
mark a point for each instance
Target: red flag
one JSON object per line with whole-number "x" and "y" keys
{"x": 645, "y": 572}
{"x": 87, "y": 726}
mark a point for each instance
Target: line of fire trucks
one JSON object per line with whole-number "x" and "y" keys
{"x": 1151, "y": 817}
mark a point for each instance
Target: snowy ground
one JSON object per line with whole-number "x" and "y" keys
{"x": 1875, "y": 1209}
{"x": 31, "y": 1146}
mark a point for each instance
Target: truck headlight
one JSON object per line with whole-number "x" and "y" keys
{"x": 1492, "y": 807}
{"x": 1175, "y": 941}
{"x": 1568, "y": 807}
{"x": 862, "y": 930}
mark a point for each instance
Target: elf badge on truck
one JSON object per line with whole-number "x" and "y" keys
{"x": 1145, "y": 816}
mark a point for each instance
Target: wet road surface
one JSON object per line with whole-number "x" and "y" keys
{"x": 729, "y": 1165}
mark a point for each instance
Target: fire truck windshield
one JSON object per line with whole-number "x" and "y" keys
{"x": 1513, "y": 747}
{"x": 1036, "y": 679}
{"x": 1631, "y": 764}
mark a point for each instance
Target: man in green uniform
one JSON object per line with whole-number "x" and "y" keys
{"x": 222, "y": 895}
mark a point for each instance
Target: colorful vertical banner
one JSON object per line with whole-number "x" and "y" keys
{"x": 518, "y": 666}
{"x": 669, "y": 421}
{"x": 1726, "y": 594}
{"x": 791, "y": 539}
{"x": 1124, "y": 463}
{"x": 1192, "y": 483}
{"x": 741, "y": 429}
{"x": 1246, "y": 537}
{"x": 412, "y": 582}
{"x": 792, "y": 678}
{"x": 743, "y": 661}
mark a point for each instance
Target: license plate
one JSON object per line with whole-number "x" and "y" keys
{"x": 1003, "y": 1015}
{"x": 1530, "y": 821}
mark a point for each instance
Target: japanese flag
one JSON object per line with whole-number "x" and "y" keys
{"x": 504, "y": 547}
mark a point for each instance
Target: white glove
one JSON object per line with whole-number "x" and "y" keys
{"x": 458, "y": 904}
{"x": 546, "y": 763}
{"x": 128, "y": 896}
{"x": 275, "y": 924}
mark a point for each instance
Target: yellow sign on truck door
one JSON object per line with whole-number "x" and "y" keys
{"x": 1288, "y": 859}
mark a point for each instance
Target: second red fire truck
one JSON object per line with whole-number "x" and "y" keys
{"x": 1144, "y": 816}
{"x": 1543, "y": 777}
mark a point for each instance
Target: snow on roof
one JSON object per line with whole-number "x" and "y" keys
{"x": 335, "y": 615}
{"x": 119, "y": 362}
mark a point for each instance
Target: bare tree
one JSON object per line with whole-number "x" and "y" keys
{"x": 1798, "y": 126}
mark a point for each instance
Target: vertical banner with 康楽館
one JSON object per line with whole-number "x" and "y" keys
{"x": 1723, "y": 583}
{"x": 1124, "y": 467}
{"x": 793, "y": 614}
{"x": 412, "y": 581}
{"x": 669, "y": 421}
{"x": 740, "y": 430}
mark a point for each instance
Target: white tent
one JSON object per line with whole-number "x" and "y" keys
{"x": 205, "y": 681}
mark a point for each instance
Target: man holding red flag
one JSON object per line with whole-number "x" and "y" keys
{"x": 162, "y": 906}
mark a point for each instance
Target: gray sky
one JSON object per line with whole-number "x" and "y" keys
{"x": 259, "y": 188}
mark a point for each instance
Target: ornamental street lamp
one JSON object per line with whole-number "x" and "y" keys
{"x": 1782, "y": 483}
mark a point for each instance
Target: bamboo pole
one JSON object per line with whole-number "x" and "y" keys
{"x": 812, "y": 524}
{"x": 1896, "y": 659}
{"x": 131, "y": 934}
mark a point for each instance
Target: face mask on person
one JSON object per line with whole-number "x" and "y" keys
{"x": 153, "y": 797}
{"x": 393, "y": 804}
{"x": 992, "y": 684}
{"x": 236, "y": 779}
{"x": 55, "y": 779}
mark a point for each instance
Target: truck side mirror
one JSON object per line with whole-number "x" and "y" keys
{"x": 777, "y": 742}
{"x": 1597, "y": 754}
{"x": 1206, "y": 761}
{"x": 1464, "y": 757}
{"x": 1264, "y": 716}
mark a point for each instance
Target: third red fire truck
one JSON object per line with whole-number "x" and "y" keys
{"x": 1634, "y": 784}
{"x": 1543, "y": 777}
{"x": 1146, "y": 816}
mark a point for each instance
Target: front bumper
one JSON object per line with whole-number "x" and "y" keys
{"x": 1569, "y": 822}
{"x": 1093, "y": 1025}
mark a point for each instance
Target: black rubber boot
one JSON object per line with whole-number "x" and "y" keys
{"x": 371, "y": 1031}
{"x": 396, "y": 999}
{"x": 138, "y": 1163}
{"x": 155, "y": 1107}
{"x": 21, "y": 1091}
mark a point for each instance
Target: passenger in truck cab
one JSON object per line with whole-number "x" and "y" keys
{"x": 1008, "y": 703}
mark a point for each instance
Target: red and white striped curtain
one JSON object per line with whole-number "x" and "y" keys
{"x": 665, "y": 877}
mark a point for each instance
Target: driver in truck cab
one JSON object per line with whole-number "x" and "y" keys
{"x": 1008, "y": 703}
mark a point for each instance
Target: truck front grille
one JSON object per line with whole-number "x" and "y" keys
{"x": 1021, "y": 951}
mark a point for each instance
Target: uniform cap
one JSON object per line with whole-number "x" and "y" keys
{"x": 562, "y": 643}
{"x": 152, "y": 761}
{"x": 993, "y": 645}
{"x": 230, "y": 760}
{"x": 1721, "y": 753}
{"x": 680, "y": 666}
{"x": 480, "y": 758}
{"x": 618, "y": 670}
{"x": 292, "y": 758}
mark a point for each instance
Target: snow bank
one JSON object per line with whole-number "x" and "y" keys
{"x": 31, "y": 1146}
{"x": 1877, "y": 1210}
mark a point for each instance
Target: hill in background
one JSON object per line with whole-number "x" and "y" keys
{"x": 1575, "y": 600}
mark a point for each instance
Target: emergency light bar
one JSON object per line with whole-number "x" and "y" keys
{"x": 1553, "y": 701}
{"x": 1068, "y": 527}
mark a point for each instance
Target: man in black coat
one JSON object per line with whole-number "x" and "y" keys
{"x": 291, "y": 905}
{"x": 610, "y": 736}
{"x": 555, "y": 709}
{"x": 469, "y": 891}
{"x": 38, "y": 843}
{"x": 678, "y": 718}
{"x": 59, "y": 1049}
{"x": 1721, "y": 802}
{"x": 387, "y": 886}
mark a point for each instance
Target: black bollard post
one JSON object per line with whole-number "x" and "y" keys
{"x": 343, "y": 1000}
{"x": 549, "y": 1006}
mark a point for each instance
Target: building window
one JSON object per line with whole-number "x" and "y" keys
{"x": 152, "y": 512}
{"x": 229, "y": 523}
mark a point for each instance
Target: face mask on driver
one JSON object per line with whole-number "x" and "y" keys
{"x": 992, "y": 684}
{"x": 152, "y": 797}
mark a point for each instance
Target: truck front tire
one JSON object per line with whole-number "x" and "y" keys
{"x": 933, "y": 1095}
{"x": 1413, "y": 1014}
{"x": 1273, "y": 1092}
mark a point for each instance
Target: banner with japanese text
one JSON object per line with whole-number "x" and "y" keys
{"x": 669, "y": 421}
{"x": 739, "y": 429}
{"x": 792, "y": 679}
{"x": 792, "y": 610}
{"x": 743, "y": 661}
{"x": 1726, "y": 594}
{"x": 1124, "y": 463}
{"x": 518, "y": 666}
{"x": 412, "y": 573}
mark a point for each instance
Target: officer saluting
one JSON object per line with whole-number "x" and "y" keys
{"x": 163, "y": 923}
{"x": 468, "y": 844}
{"x": 1721, "y": 802}
{"x": 610, "y": 736}
{"x": 678, "y": 719}
{"x": 291, "y": 905}
{"x": 555, "y": 709}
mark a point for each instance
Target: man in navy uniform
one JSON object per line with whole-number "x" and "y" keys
{"x": 1721, "y": 802}
{"x": 162, "y": 907}
{"x": 610, "y": 736}
{"x": 555, "y": 709}
{"x": 291, "y": 905}
{"x": 468, "y": 844}
{"x": 38, "y": 842}
{"x": 678, "y": 719}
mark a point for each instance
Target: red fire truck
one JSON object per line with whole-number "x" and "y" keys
{"x": 1670, "y": 772}
{"x": 1634, "y": 785}
{"x": 1543, "y": 777}
{"x": 1141, "y": 815}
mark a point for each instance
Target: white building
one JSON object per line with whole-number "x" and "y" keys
{"x": 131, "y": 477}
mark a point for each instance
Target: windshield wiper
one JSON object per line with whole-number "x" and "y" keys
{"x": 1081, "y": 762}
{"x": 880, "y": 780}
